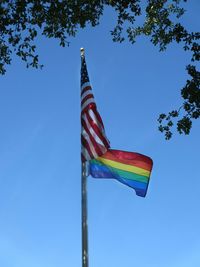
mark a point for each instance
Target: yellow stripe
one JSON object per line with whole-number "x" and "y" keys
{"x": 124, "y": 167}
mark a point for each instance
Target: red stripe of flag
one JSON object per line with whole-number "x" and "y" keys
{"x": 97, "y": 130}
{"x": 87, "y": 146}
{"x": 93, "y": 141}
{"x": 85, "y": 89}
{"x": 86, "y": 98}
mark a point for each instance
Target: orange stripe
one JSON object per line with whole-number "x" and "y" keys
{"x": 135, "y": 159}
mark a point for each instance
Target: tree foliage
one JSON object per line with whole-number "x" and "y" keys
{"x": 22, "y": 20}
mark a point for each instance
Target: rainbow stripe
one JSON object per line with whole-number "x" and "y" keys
{"x": 129, "y": 168}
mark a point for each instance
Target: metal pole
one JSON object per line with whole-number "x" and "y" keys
{"x": 84, "y": 217}
{"x": 84, "y": 205}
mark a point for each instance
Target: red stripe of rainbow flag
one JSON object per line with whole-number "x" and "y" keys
{"x": 130, "y": 168}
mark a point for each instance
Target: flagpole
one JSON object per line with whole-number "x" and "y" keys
{"x": 84, "y": 218}
{"x": 84, "y": 206}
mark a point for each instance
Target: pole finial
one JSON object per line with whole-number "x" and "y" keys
{"x": 82, "y": 51}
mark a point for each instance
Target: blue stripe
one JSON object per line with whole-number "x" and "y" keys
{"x": 139, "y": 187}
{"x": 102, "y": 171}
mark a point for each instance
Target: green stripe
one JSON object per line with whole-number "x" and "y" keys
{"x": 125, "y": 174}
{"x": 131, "y": 176}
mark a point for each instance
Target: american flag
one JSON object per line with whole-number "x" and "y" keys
{"x": 94, "y": 142}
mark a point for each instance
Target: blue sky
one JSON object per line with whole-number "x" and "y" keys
{"x": 40, "y": 219}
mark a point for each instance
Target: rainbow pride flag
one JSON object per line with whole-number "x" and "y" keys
{"x": 130, "y": 168}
